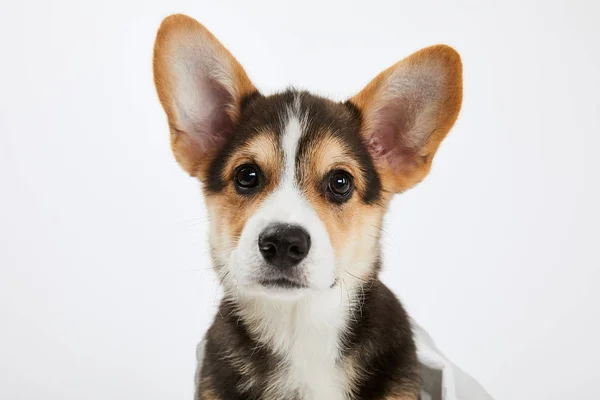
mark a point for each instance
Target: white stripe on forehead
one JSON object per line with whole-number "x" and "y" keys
{"x": 290, "y": 140}
{"x": 289, "y": 143}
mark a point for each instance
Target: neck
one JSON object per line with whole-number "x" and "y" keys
{"x": 319, "y": 315}
{"x": 307, "y": 336}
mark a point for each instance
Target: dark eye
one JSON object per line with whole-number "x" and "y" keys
{"x": 246, "y": 178}
{"x": 340, "y": 184}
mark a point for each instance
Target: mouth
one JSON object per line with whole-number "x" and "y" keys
{"x": 282, "y": 283}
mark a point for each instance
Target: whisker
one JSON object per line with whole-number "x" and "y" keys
{"x": 360, "y": 279}
{"x": 351, "y": 308}
{"x": 381, "y": 240}
{"x": 195, "y": 269}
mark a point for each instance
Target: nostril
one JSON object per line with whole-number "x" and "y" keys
{"x": 268, "y": 249}
{"x": 295, "y": 252}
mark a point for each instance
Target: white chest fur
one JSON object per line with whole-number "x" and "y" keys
{"x": 306, "y": 334}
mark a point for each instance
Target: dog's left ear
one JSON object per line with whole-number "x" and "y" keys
{"x": 407, "y": 111}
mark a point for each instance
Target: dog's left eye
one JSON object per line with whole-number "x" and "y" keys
{"x": 340, "y": 185}
{"x": 246, "y": 178}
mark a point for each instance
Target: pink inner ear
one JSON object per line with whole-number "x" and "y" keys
{"x": 221, "y": 126}
{"x": 206, "y": 119}
{"x": 390, "y": 139}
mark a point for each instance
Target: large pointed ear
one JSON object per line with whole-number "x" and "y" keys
{"x": 407, "y": 111}
{"x": 201, "y": 86}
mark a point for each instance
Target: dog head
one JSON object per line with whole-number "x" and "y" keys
{"x": 296, "y": 185}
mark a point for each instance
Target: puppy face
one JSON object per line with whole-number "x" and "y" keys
{"x": 296, "y": 185}
{"x": 296, "y": 196}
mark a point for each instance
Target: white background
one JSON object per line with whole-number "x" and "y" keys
{"x": 105, "y": 285}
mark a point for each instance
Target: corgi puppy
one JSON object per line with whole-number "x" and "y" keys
{"x": 296, "y": 187}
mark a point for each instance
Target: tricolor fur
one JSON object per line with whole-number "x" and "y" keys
{"x": 319, "y": 324}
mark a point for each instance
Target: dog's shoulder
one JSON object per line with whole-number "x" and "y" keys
{"x": 379, "y": 349}
{"x": 234, "y": 362}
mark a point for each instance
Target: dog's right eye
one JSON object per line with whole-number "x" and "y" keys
{"x": 246, "y": 178}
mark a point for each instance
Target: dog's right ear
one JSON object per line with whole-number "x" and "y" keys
{"x": 201, "y": 86}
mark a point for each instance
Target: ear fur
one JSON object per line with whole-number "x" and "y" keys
{"x": 407, "y": 111}
{"x": 200, "y": 86}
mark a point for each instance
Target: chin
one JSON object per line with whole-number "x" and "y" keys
{"x": 277, "y": 293}
{"x": 278, "y": 289}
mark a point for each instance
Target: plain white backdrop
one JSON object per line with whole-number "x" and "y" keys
{"x": 105, "y": 283}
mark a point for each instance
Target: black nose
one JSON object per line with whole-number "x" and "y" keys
{"x": 283, "y": 246}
